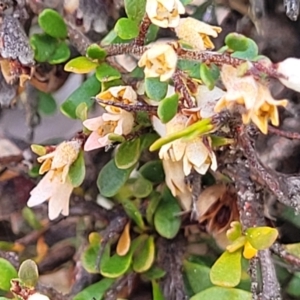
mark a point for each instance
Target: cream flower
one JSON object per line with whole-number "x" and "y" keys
{"x": 197, "y": 33}
{"x": 55, "y": 186}
{"x": 159, "y": 61}
{"x": 119, "y": 122}
{"x": 260, "y": 107}
{"x": 289, "y": 68}
{"x": 123, "y": 94}
{"x": 164, "y": 13}
{"x": 193, "y": 153}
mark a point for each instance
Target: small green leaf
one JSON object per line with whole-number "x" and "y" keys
{"x": 82, "y": 111}
{"x": 156, "y": 292}
{"x": 53, "y": 23}
{"x": 153, "y": 171}
{"x": 80, "y": 65}
{"x": 8, "y": 272}
{"x": 151, "y": 34}
{"x": 105, "y": 73}
{"x": 156, "y": 89}
{"x": 126, "y": 28}
{"x": 95, "y": 291}
{"x": 235, "y": 231}
{"x": 293, "y": 286}
{"x": 135, "y": 9}
{"x": 111, "y": 178}
{"x": 227, "y": 270}
{"x": 147, "y": 140}
{"x": 261, "y": 238}
{"x": 128, "y": 154}
{"x": 198, "y": 276}
{"x": 83, "y": 94}
{"x": 166, "y": 220}
{"x": 140, "y": 187}
{"x": 46, "y": 103}
{"x": 43, "y": 45}
{"x": 192, "y": 68}
{"x": 236, "y": 42}
{"x": 116, "y": 265}
{"x": 28, "y": 273}
{"x": 133, "y": 213}
{"x": 94, "y": 51}
{"x": 222, "y": 293}
{"x": 251, "y": 52}
{"x": 154, "y": 200}
{"x": 144, "y": 256}
{"x": 61, "y": 54}
{"x": 168, "y": 108}
{"x": 77, "y": 170}
{"x": 154, "y": 273}
{"x": 209, "y": 75}
{"x": 89, "y": 258}
{"x": 31, "y": 218}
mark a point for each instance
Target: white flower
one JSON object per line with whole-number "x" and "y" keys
{"x": 260, "y": 107}
{"x": 196, "y": 33}
{"x": 290, "y": 69}
{"x": 115, "y": 121}
{"x": 192, "y": 152}
{"x": 37, "y": 296}
{"x": 56, "y": 186}
{"x": 159, "y": 61}
{"x": 164, "y": 13}
{"x": 123, "y": 93}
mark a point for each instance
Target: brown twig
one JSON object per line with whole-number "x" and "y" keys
{"x": 286, "y": 134}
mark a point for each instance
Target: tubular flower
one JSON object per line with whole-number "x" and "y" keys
{"x": 197, "y": 33}
{"x": 159, "y": 61}
{"x": 123, "y": 94}
{"x": 193, "y": 153}
{"x": 115, "y": 121}
{"x": 164, "y": 13}
{"x": 56, "y": 186}
{"x": 260, "y": 106}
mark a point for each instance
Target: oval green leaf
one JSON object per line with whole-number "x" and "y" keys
{"x": 28, "y": 273}
{"x": 61, "y": 54}
{"x": 208, "y": 75}
{"x": 80, "y": 65}
{"x": 77, "y": 170}
{"x": 222, "y": 293}
{"x": 251, "y": 52}
{"x": 197, "y": 275}
{"x": 128, "y": 154}
{"x": 94, "y": 51}
{"x": 133, "y": 213}
{"x": 53, "y": 23}
{"x": 140, "y": 187}
{"x": 156, "y": 89}
{"x": 135, "y": 9}
{"x": 168, "y": 108}
{"x": 144, "y": 257}
{"x": 116, "y": 265}
{"x": 227, "y": 270}
{"x": 126, "y": 28}
{"x": 111, "y": 179}
{"x": 105, "y": 73}
{"x": 83, "y": 94}
{"x": 154, "y": 200}
{"x": 261, "y": 238}
{"x": 153, "y": 171}
{"x": 46, "y": 103}
{"x": 89, "y": 258}
{"x": 236, "y": 41}
{"x": 8, "y": 272}
{"x": 44, "y": 46}
{"x": 166, "y": 220}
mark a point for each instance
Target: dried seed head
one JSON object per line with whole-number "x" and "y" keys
{"x": 14, "y": 42}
